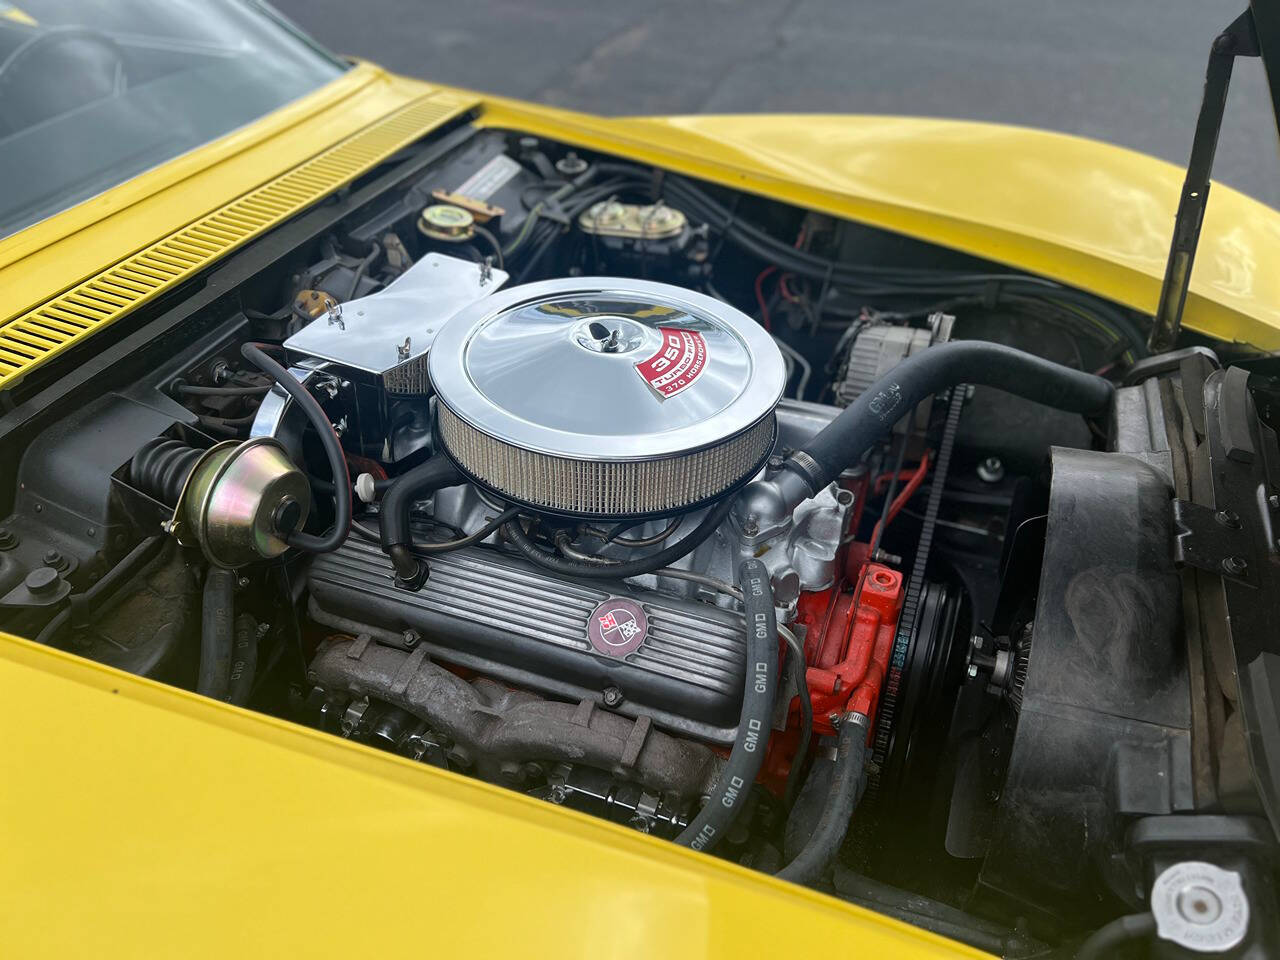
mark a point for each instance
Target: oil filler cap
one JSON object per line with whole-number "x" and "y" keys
{"x": 1200, "y": 906}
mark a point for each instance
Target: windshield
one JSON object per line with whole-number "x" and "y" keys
{"x": 93, "y": 93}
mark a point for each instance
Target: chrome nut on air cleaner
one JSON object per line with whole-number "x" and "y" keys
{"x": 602, "y": 397}
{"x": 240, "y": 501}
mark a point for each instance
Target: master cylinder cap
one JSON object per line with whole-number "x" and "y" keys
{"x": 602, "y": 397}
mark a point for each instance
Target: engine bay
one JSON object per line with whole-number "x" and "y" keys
{"x": 840, "y": 555}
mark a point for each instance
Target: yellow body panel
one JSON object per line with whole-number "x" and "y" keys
{"x": 1086, "y": 213}
{"x": 137, "y": 820}
{"x": 48, "y": 257}
{"x": 140, "y": 820}
{"x": 37, "y": 337}
{"x": 69, "y": 276}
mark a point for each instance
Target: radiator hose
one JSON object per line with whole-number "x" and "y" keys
{"x": 244, "y": 661}
{"x": 1111, "y": 939}
{"x": 863, "y": 422}
{"x": 217, "y": 637}
{"x": 760, "y": 685}
{"x": 848, "y": 780}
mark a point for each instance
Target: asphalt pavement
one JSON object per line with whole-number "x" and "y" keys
{"x": 1125, "y": 71}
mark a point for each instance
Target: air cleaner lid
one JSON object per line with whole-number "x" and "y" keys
{"x": 598, "y": 368}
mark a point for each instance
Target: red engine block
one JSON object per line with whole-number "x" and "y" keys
{"x": 848, "y": 642}
{"x": 849, "y": 632}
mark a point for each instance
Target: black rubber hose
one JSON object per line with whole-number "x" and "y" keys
{"x": 1105, "y": 941}
{"x": 362, "y": 269}
{"x": 862, "y": 423}
{"x": 759, "y": 689}
{"x": 847, "y": 784}
{"x": 800, "y": 669}
{"x": 431, "y": 548}
{"x": 435, "y": 547}
{"x": 332, "y": 448}
{"x": 421, "y": 481}
{"x": 243, "y": 421}
{"x": 609, "y": 570}
{"x": 932, "y": 915}
{"x": 492, "y": 241}
{"x": 93, "y": 598}
{"x": 380, "y": 486}
{"x": 217, "y": 635}
{"x": 192, "y": 390}
{"x": 244, "y": 660}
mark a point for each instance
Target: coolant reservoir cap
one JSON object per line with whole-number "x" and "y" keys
{"x": 598, "y": 368}
{"x": 1200, "y": 906}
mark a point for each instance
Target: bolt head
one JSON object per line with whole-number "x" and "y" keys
{"x": 1236, "y": 566}
{"x": 458, "y": 756}
{"x": 973, "y": 671}
{"x": 612, "y": 696}
{"x": 1228, "y": 518}
{"x": 991, "y": 470}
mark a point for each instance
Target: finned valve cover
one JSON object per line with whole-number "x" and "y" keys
{"x": 603, "y": 397}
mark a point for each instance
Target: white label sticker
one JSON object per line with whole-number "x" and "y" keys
{"x": 486, "y": 181}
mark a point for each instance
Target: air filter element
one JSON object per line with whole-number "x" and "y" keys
{"x": 600, "y": 397}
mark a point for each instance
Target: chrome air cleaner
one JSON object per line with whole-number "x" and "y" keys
{"x": 602, "y": 397}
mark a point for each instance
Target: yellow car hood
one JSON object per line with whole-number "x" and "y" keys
{"x": 1088, "y": 214}
{"x": 140, "y": 820}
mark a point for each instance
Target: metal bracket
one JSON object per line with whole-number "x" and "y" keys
{"x": 1238, "y": 40}
{"x": 1212, "y": 540}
